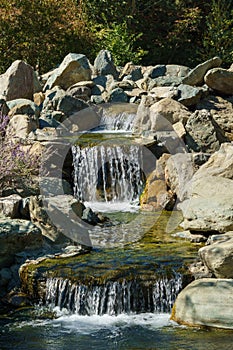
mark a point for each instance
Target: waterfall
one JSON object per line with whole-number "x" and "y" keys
{"x": 113, "y": 297}
{"x": 107, "y": 173}
{"x": 119, "y": 122}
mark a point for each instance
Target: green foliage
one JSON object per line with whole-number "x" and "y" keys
{"x": 217, "y": 39}
{"x": 119, "y": 42}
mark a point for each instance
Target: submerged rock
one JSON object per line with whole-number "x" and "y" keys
{"x": 205, "y": 302}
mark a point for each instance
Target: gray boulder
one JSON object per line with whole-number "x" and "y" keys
{"x": 218, "y": 257}
{"x": 18, "y": 81}
{"x": 189, "y": 95}
{"x": 205, "y": 302}
{"x": 20, "y": 126}
{"x": 23, "y": 106}
{"x": 74, "y": 68}
{"x": 220, "y": 80}
{"x": 204, "y": 134}
{"x": 196, "y": 75}
{"x": 9, "y": 206}
{"x": 179, "y": 171}
{"x": 16, "y": 236}
{"x": 118, "y": 95}
{"x": 210, "y": 205}
{"x": 104, "y": 64}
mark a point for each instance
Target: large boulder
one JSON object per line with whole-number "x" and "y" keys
{"x": 9, "y": 206}
{"x": 74, "y": 68}
{"x": 196, "y": 75}
{"x": 189, "y": 95}
{"x": 218, "y": 257}
{"x": 220, "y": 80}
{"x": 219, "y": 164}
{"x": 18, "y": 81}
{"x": 104, "y": 64}
{"x": 16, "y": 236}
{"x": 210, "y": 205}
{"x": 221, "y": 109}
{"x": 160, "y": 116}
{"x": 20, "y": 126}
{"x": 179, "y": 171}
{"x": 205, "y": 302}
{"x": 204, "y": 134}
{"x": 23, "y": 106}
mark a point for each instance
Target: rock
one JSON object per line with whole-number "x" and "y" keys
{"x": 220, "y": 80}
{"x": 187, "y": 235}
{"x": 221, "y": 109}
{"x": 219, "y": 164}
{"x": 179, "y": 171}
{"x": 218, "y": 257}
{"x": 80, "y": 92}
{"x": 175, "y": 70}
{"x": 189, "y": 95}
{"x": 196, "y": 75}
{"x": 204, "y": 134}
{"x": 118, "y": 95}
{"x": 156, "y": 71}
{"x": 20, "y": 126}
{"x": 18, "y": 81}
{"x": 156, "y": 195}
{"x": 205, "y": 302}
{"x": 210, "y": 205}
{"x": 171, "y": 110}
{"x": 39, "y": 98}
{"x": 131, "y": 71}
{"x": 179, "y": 129}
{"x": 47, "y": 214}
{"x": 15, "y": 236}
{"x": 161, "y": 92}
{"x": 166, "y": 80}
{"x": 3, "y": 106}
{"x": 104, "y": 65}
{"x": 23, "y": 106}
{"x": 90, "y": 217}
{"x": 9, "y": 206}
{"x": 159, "y": 117}
{"x": 70, "y": 105}
{"x": 74, "y": 68}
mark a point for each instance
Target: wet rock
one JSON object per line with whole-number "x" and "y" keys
{"x": 196, "y": 75}
{"x": 205, "y": 302}
{"x": 187, "y": 235}
{"x": 74, "y": 68}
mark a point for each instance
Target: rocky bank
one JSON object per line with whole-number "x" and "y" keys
{"x": 183, "y": 116}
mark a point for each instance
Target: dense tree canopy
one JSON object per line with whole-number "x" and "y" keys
{"x": 42, "y": 32}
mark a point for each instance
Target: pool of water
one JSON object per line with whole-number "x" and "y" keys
{"x": 123, "y": 332}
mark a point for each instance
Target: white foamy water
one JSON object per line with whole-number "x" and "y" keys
{"x": 112, "y": 207}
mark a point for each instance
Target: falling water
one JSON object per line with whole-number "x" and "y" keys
{"x": 120, "y": 122}
{"x": 114, "y": 297}
{"x": 108, "y": 173}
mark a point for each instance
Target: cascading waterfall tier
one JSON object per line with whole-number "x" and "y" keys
{"x": 109, "y": 173}
{"x": 113, "y": 297}
{"x": 121, "y": 122}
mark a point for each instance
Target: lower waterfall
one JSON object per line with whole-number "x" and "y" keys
{"x": 113, "y": 297}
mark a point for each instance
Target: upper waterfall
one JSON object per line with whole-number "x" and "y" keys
{"x": 108, "y": 173}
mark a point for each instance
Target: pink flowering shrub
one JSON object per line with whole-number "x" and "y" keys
{"x": 15, "y": 161}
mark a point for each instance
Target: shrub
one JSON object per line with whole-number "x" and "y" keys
{"x": 15, "y": 161}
